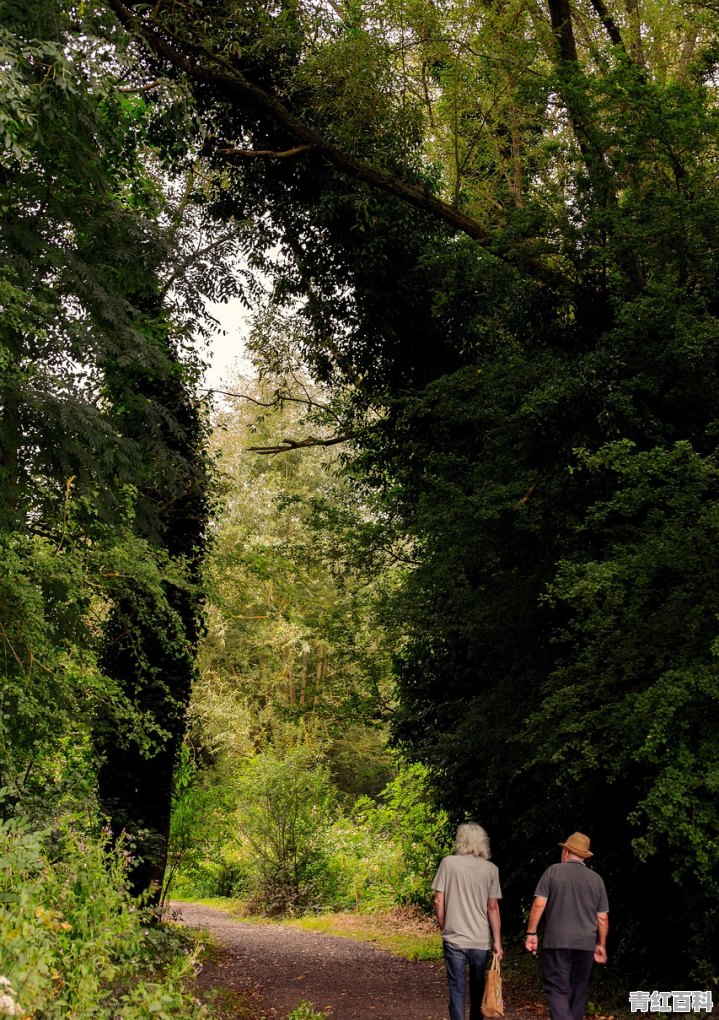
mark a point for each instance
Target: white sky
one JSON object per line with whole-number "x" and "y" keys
{"x": 227, "y": 353}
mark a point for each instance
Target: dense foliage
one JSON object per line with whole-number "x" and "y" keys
{"x": 103, "y": 475}
{"x": 498, "y": 221}
{"x": 104, "y": 500}
{"x": 74, "y": 942}
{"x": 282, "y": 798}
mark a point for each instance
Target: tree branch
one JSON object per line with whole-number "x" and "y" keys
{"x": 307, "y": 401}
{"x": 636, "y": 45}
{"x": 236, "y": 86}
{"x": 527, "y": 496}
{"x": 610, "y": 25}
{"x": 194, "y": 256}
{"x": 561, "y": 19}
{"x": 267, "y": 153}
{"x": 571, "y": 74}
{"x": 302, "y": 444}
{"x": 128, "y": 90}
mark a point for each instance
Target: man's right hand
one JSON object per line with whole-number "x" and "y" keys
{"x": 600, "y": 954}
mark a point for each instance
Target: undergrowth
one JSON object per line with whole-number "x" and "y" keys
{"x": 74, "y": 943}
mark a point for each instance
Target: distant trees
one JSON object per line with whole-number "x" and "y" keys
{"x": 290, "y": 615}
{"x": 287, "y": 741}
{"x": 292, "y": 651}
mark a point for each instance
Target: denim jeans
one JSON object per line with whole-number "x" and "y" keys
{"x": 456, "y": 961}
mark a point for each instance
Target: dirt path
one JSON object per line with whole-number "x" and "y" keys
{"x": 351, "y": 980}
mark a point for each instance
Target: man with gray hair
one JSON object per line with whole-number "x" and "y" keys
{"x": 466, "y": 902}
{"x": 573, "y": 901}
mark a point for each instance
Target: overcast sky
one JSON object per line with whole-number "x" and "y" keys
{"x": 227, "y": 353}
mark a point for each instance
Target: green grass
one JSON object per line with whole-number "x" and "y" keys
{"x": 407, "y": 936}
{"x": 306, "y": 1011}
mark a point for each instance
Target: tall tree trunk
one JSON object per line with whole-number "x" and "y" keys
{"x": 149, "y": 642}
{"x": 10, "y": 436}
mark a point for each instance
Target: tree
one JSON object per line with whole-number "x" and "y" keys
{"x": 283, "y": 813}
{"x": 533, "y": 186}
{"x": 103, "y": 476}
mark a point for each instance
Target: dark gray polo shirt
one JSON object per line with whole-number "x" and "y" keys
{"x": 575, "y": 895}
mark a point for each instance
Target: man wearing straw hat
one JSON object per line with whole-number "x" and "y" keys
{"x": 573, "y": 901}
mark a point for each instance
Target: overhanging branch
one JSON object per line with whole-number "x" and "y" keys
{"x": 234, "y": 85}
{"x": 286, "y": 445}
{"x": 266, "y": 153}
{"x": 610, "y": 25}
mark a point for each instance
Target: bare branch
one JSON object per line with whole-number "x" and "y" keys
{"x": 267, "y": 153}
{"x": 400, "y": 559}
{"x": 307, "y": 401}
{"x": 242, "y": 396}
{"x": 302, "y": 444}
{"x": 128, "y": 90}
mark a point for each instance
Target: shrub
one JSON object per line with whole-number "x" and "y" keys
{"x": 364, "y": 868}
{"x": 284, "y": 810}
{"x": 407, "y": 817}
{"x": 72, "y": 940}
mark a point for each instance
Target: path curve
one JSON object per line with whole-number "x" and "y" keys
{"x": 349, "y": 979}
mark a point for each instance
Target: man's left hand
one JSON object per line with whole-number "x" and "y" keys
{"x": 600, "y": 954}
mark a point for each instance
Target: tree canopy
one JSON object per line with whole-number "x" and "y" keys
{"x": 497, "y": 220}
{"x": 495, "y": 226}
{"x": 104, "y": 478}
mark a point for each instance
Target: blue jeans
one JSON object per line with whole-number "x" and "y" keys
{"x": 456, "y": 961}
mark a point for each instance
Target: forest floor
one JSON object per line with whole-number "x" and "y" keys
{"x": 263, "y": 971}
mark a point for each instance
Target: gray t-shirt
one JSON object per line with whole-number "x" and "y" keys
{"x": 467, "y": 883}
{"x": 575, "y": 895}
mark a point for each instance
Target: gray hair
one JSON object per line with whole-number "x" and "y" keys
{"x": 472, "y": 839}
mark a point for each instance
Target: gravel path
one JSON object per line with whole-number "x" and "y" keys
{"x": 351, "y": 980}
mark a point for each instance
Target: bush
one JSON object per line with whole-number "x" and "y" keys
{"x": 285, "y": 805}
{"x": 203, "y": 856}
{"x": 406, "y": 816}
{"x": 387, "y": 854}
{"x": 364, "y": 868}
{"x": 288, "y": 855}
{"x": 72, "y": 940}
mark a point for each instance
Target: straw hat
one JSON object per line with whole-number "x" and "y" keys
{"x": 578, "y": 844}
